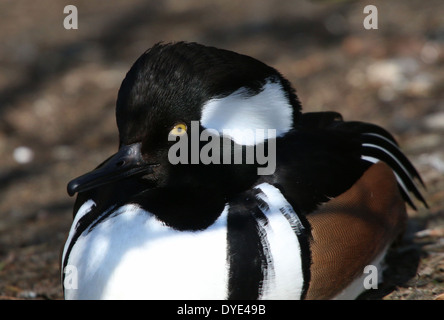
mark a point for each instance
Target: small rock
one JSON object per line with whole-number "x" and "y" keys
{"x": 435, "y": 121}
{"x": 430, "y": 52}
{"x": 28, "y": 295}
{"x": 385, "y": 73}
{"x": 23, "y": 154}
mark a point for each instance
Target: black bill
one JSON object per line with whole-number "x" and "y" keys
{"x": 127, "y": 162}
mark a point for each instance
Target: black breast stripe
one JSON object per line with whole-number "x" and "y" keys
{"x": 85, "y": 224}
{"x": 248, "y": 257}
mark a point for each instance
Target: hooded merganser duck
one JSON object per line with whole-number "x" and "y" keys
{"x": 308, "y": 203}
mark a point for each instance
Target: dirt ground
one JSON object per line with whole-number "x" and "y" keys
{"x": 58, "y": 89}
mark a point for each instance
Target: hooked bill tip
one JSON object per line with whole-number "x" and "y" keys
{"x": 72, "y": 188}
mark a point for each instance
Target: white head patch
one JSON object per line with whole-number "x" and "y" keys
{"x": 240, "y": 112}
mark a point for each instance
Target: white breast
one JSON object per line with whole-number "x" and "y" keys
{"x": 132, "y": 255}
{"x": 151, "y": 261}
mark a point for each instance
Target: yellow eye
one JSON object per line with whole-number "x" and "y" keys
{"x": 179, "y": 129}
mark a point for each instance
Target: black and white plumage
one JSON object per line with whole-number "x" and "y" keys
{"x": 145, "y": 228}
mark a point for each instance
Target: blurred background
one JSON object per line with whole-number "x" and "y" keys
{"x": 58, "y": 89}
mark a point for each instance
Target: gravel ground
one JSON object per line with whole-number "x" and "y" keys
{"x": 58, "y": 89}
